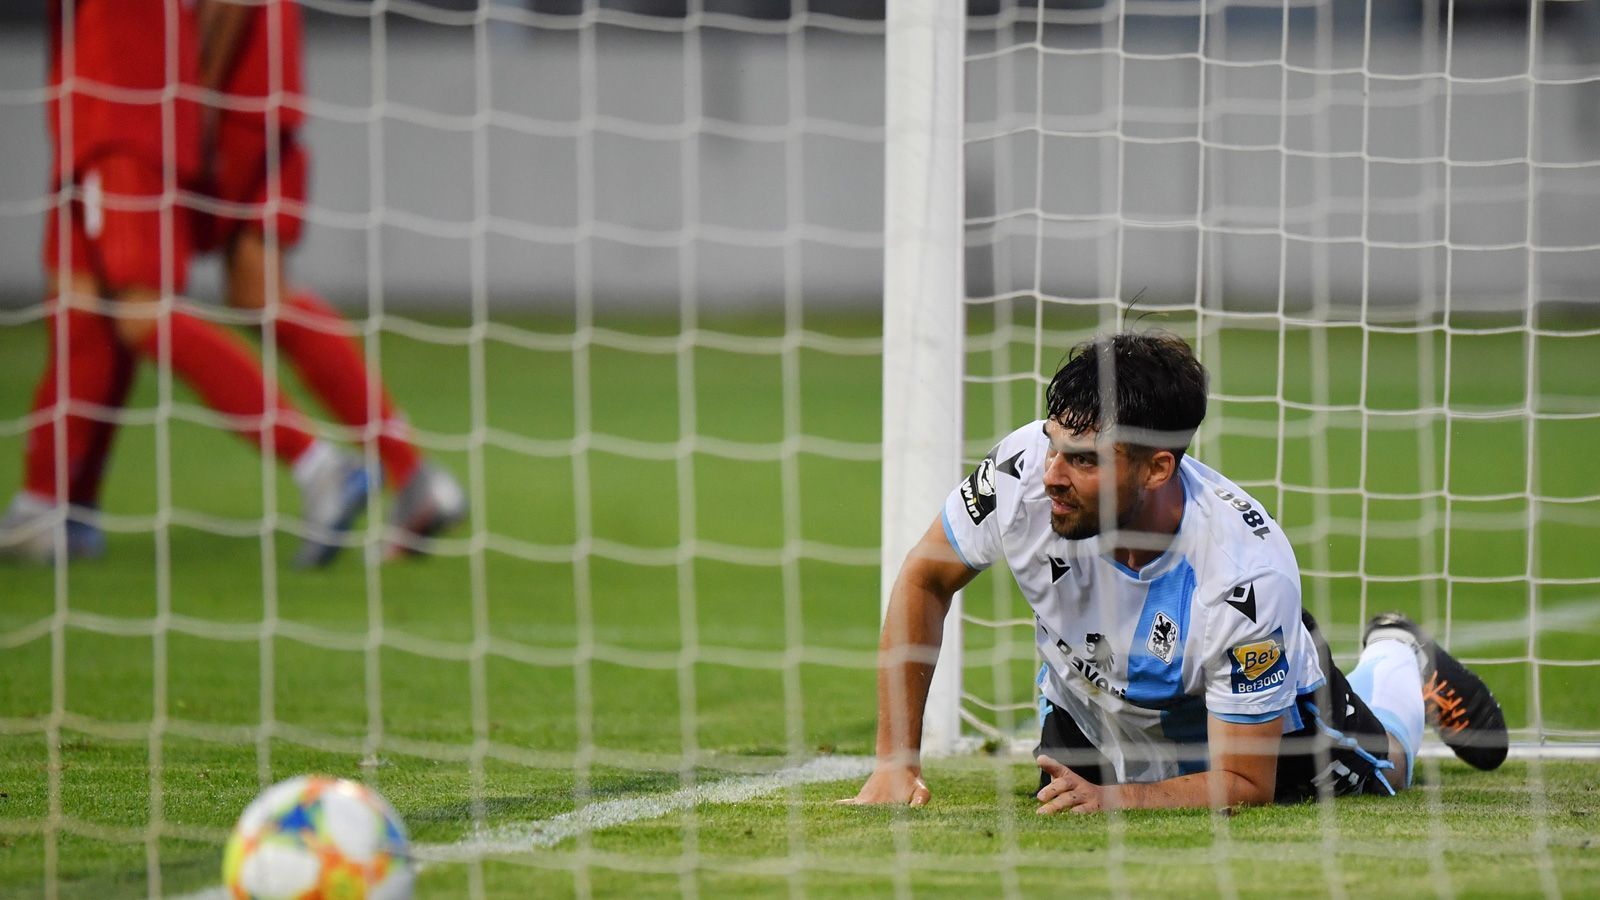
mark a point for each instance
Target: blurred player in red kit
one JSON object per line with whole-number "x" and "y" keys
{"x": 255, "y": 171}
{"x": 126, "y": 143}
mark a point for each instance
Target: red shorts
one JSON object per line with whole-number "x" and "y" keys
{"x": 241, "y": 189}
{"x": 126, "y": 231}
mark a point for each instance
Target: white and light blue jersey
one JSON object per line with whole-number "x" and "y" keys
{"x": 1138, "y": 659}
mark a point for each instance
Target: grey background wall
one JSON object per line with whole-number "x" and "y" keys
{"x": 743, "y": 160}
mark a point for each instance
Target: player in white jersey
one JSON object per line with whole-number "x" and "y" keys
{"x": 1179, "y": 667}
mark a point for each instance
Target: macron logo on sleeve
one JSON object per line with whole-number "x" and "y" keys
{"x": 1247, "y": 606}
{"x": 1058, "y": 568}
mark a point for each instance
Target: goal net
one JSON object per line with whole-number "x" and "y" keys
{"x": 708, "y": 305}
{"x": 619, "y": 264}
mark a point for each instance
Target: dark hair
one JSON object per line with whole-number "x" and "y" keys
{"x": 1158, "y": 388}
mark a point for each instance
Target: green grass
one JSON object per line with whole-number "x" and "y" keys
{"x": 649, "y": 661}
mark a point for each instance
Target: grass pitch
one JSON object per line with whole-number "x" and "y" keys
{"x": 652, "y": 609}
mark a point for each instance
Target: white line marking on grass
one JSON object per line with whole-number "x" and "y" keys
{"x": 525, "y": 836}
{"x": 522, "y": 837}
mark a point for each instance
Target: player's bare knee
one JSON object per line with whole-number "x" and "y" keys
{"x": 134, "y": 331}
{"x": 247, "y": 271}
{"x": 77, "y": 290}
{"x": 135, "y": 315}
{"x": 246, "y": 287}
{"x": 245, "y": 291}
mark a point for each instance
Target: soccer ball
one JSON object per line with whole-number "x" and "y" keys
{"x": 317, "y": 837}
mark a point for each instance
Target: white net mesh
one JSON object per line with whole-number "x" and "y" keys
{"x": 621, "y": 267}
{"x": 618, "y": 266}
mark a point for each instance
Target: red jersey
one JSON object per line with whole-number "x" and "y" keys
{"x": 120, "y": 64}
{"x": 273, "y": 32}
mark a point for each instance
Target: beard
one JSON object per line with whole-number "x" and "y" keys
{"x": 1085, "y": 523}
{"x": 1077, "y": 527}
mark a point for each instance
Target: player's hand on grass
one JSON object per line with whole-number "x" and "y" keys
{"x": 1067, "y": 791}
{"x": 892, "y": 784}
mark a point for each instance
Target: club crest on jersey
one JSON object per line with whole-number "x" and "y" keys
{"x": 1163, "y": 638}
{"x": 1259, "y": 665}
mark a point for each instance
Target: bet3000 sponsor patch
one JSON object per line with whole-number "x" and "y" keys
{"x": 1259, "y": 665}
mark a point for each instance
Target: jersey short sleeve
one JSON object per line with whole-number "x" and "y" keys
{"x": 1253, "y": 649}
{"x": 977, "y": 511}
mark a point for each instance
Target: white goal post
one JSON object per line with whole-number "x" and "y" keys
{"x": 923, "y": 291}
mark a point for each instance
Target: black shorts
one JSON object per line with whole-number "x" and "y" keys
{"x": 1341, "y": 747}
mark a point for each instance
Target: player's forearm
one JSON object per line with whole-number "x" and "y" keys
{"x": 912, "y": 631}
{"x": 1215, "y": 790}
{"x": 1243, "y": 771}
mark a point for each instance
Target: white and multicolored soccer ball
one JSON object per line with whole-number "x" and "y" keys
{"x": 313, "y": 838}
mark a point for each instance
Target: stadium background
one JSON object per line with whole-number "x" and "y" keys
{"x": 412, "y": 174}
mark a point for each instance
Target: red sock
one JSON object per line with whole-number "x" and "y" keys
{"x": 217, "y": 365}
{"x": 310, "y": 334}
{"x": 98, "y": 372}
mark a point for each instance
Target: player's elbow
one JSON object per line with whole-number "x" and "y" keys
{"x": 1256, "y": 787}
{"x": 927, "y": 582}
{"x": 1251, "y": 793}
{"x": 933, "y": 568}
{"x": 1245, "y": 761}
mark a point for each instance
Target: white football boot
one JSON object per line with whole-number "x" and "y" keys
{"x": 28, "y": 534}
{"x": 333, "y": 492}
{"x": 429, "y": 502}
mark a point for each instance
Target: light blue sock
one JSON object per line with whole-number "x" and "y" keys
{"x": 1389, "y": 679}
